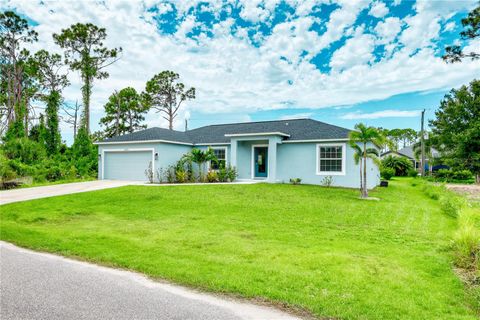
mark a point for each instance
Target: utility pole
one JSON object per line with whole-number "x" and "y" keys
{"x": 422, "y": 142}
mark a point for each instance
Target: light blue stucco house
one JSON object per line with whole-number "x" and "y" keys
{"x": 274, "y": 151}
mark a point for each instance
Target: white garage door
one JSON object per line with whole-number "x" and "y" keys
{"x": 126, "y": 165}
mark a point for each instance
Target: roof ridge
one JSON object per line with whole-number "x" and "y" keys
{"x": 248, "y": 122}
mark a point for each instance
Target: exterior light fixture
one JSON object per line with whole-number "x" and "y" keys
{"x": 156, "y": 155}
{"x": 99, "y": 156}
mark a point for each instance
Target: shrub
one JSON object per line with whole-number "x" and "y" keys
{"x": 149, "y": 172}
{"x": 433, "y": 191}
{"x": 212, "y": 176}
{"x": 462, "y": 175}
{"x": 412, "y": 173}
{"x": 327, "y": 181}
{"x": 466, "y": 241}
{"x": 24, "y": 150}
{"x": 170, "y": 174}
{"x": 387, "y": 173}
{"x": 450, "y": 204}
{"x": 401, "y": 165}
{"x": 295, "y": 181}
{"x": 181, "y": 176}
{"x": 443, "y": 173}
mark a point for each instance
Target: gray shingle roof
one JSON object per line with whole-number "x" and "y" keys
{"x": 298, "y": 129}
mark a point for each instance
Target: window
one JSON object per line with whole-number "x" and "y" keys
{"x": 221, "y": 154}
{"x": 331, "y": 159}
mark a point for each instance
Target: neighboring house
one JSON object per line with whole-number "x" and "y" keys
{"x": 274, "y": 151}
{"x": 408, "y": 153}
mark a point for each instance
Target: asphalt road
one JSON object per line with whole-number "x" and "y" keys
{"x": 43, "y": 286}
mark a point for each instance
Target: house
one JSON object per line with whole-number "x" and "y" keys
{"x": 274, "y": 151}
{"x": 409, "y": 153}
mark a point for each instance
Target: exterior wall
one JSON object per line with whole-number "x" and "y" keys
{"x": 299, "y": 160}
{"x": 293, "y": 160}
{"x": 168, "y": 153}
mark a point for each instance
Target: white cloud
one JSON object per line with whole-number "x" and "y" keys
{"x": 378, "y": 9}
{"x": 357, "y": 51}
{"x": 232, "y": 75}
{"x": 449, "y": 26}
{"x": 303, "y": 115}
{"x": 381, "y": 114}
{"x": 387, "y": 30}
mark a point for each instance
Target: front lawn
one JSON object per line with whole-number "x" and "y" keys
{"x": 319, "y": 249}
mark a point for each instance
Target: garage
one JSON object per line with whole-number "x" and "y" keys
{"x": 126, "y": 165}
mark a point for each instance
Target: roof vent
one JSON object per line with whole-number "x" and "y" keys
{"x": 286, "y": 123}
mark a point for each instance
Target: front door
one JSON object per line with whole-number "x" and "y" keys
{"x": 260, "y": 162}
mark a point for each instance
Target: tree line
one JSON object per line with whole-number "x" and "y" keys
{"x": 32, "y": 104}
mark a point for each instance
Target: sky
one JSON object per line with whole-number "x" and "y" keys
{"x": 341, "y": 62}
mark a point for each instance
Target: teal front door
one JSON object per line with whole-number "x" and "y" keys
{"x": 260, "y": 162}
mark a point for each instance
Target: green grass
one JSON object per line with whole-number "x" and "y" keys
{"x": 314, "y": 248}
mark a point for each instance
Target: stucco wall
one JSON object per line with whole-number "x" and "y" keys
{"x": 294, "y": 160}
{"x": 168, "y": 153}
{"x": 299, "y": 160}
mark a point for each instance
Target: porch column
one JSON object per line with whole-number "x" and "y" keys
{"x": 272, "y": 159}
{"x": 233, "y": 152}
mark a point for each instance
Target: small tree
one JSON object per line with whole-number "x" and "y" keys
{"x": 364, "y": 135}
{"x": 86, "y": 53}
{"x": 165, "y": 94}
{"x": 200, "y": 157}
{"x": 372, "y": 154}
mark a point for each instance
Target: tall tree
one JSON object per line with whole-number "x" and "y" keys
{"x": 364, "y": 136}
{"x": 165, "y": 94}
{"x": 48, "y": 70}
{"x": 16, "y": 93}
{"x": 124, "y": 113}
{"x": 457, "y": 127}
{"x": 86, "y": 53}
{"x": 471, "y": 25}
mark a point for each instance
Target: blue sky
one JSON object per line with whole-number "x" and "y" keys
{"x": 341, "y": 62}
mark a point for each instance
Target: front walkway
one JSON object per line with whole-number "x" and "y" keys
{"x": 24, "y": 194}
{"x": 44, "y": 286}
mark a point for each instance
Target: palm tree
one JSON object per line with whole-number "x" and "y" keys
{"x": 364, "y": 135}
{"x": 200, "y": 158}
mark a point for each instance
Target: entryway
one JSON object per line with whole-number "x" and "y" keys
{"x": 260, "y": 161}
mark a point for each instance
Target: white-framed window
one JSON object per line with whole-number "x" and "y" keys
{"x": 221, "y": 154}
{"x": 331, "y": 159}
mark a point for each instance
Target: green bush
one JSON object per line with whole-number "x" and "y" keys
{"x": 295, "y": 181}
{"x": 227, "y": 174}
{"x": 401, "y": 165}
{"x": 387, "y": 173}
{"x": 24, "y": 150}
{"x": 462, "y": 175}
{"x": 412, "y": 173}
{"x": 433, "y": 191}
{"x": 466, "y": 241}
{"x": 181, "y": 176}
{"x": 212, "y": 176}
{"x": 450, "y": 204}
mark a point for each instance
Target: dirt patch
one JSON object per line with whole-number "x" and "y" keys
{"x": 471, "y": 191}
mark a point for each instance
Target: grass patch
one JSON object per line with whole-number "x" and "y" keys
{"x": 319, "y": 249}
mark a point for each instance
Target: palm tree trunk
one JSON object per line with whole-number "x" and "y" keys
{"x": 365, "y": 191}
{"x": 361, "y": 180}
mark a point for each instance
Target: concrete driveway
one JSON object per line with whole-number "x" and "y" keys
{"x": 17, "y": 195}
{"x": 43, "y": 286}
